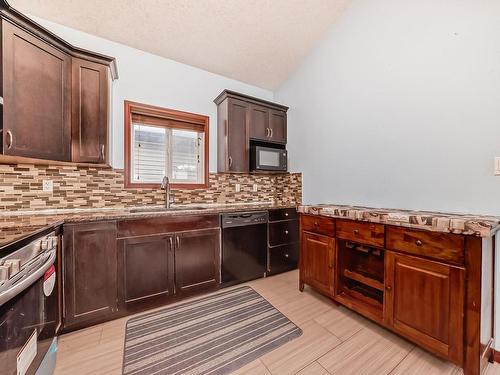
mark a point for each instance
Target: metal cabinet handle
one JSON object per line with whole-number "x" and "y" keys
{"x": 286, "y": 255}
{"x": 286, "y": 232}
{"x": 356, "y": 231}
{"x": 178, "y": 241}
{"x": 267, "y": 132}
{"x": 102, "y": 152}
{"x": 171, "y": 244}
{"x": 316, "y": 224}
{"x": 9, "y": 139}
{"x": 388, "y": 288}
{"x": 286, "y": 213}
{"x": 271, "y": 129}
{"x": 418, "y": 243}
{"x": 230, "y": 162}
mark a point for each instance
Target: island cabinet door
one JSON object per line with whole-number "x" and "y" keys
{"x": 197, "y": 260}
{"x": 145, "y": 270}
{"x": 424, "y": 301}
{"x": 89, "y": 259}
{"x": 317, "y": 261}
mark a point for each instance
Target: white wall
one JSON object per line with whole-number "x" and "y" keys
{"x": 399, "y": 106}
{"x": 154, "y": 80}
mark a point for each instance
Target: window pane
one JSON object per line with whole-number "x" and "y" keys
{"x": 187, "y": 151}
{"x": 148, "y": 153}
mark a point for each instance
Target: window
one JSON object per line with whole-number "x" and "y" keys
{"x": 162, "y": 142}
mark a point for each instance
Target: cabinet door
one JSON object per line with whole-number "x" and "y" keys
{"x": 259, "y": 122}
{"x": 37, "y": 97}
{"x": 317, "y": 261}
{"x": 89, "y": 259}
{"x": 89, "y": 111}
{"x": 424, "y": 301}
{"x": 237, "y": 139}
{"x": 145, "y": 270}
{"x": 277, "y": 123}
{"x": 197, "y": 260}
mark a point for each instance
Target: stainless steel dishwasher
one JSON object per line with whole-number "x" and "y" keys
{"x": 244, "y": 246}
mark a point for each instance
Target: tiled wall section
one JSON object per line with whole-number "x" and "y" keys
{"x": 86, "y": 187}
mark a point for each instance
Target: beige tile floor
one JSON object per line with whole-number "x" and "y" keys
{"x": 334, "y": 341}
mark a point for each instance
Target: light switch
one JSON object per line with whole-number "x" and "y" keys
{"x": 237, "y": 188}
{"x": 497, "y": 166}
{"x": 48, "y": 186}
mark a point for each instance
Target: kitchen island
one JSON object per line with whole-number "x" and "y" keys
{"x": 426, "y": 276}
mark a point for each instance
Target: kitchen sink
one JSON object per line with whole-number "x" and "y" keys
{"x": 164, "y": 209}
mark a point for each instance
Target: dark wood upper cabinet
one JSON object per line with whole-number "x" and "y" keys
{"x": 237, "y": 136}
{"x": 55, "y": 95}
{"x": 241, "y": 119}
{"x": 425, "y": 302}
{"x": 37, "y": 96}
{"x": 89, "y": 111}
{"x": 259, "y": 122}
{"x": 89, "y": 259}
{"x": 277, "y": 126}
{"x": 197, "y": 260}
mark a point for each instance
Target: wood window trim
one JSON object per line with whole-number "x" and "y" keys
{"x": 199, "y": 122}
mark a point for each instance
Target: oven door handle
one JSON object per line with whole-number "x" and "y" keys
{"x": 28, "y": 280}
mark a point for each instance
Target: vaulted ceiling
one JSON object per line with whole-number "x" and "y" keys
{"x": 260, "y": 42}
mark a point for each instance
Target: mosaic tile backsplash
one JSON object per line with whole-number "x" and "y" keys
{"x": 87, "y": 187}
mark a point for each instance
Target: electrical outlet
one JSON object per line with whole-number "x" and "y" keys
{"x": 48, "y": 186}
{"x": 254, "y": 188}
{"x": 497, "y": 166}
{"x": 237, "y": 188}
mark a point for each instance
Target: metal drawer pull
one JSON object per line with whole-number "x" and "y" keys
{"x": 9, "y": 139}
{"x": 388, "y": 288}
{"x": 356, "y": 231}
{"x": 418, "y": 243}
{"x": 286, "y": 213}
{"x": 316, "y": 223}
{"x": 286, "y": 255}
{"x": 286, "y": 232}
{"x": 230, "y": 161}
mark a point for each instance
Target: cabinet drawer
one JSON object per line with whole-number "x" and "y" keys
{"x": 283, "y": 232}
{"x": 283, "y": 258}
{"x": 318, "y": 224}
{"x": 366, "y": 233}
{"x": 442, "y": 246}
{"x": 282, "y": 214}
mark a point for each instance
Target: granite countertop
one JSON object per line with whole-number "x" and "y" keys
{"x": 473, "y": 225}
{"x": 15, "y": 225}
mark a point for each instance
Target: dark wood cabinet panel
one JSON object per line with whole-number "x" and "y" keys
{"x": 283, "y": 232}
{"x": 145, "y": 269}
{"x": 237, "y": 136}
{"x": 317, "y": 262}
{"x": 283, "y": 258}
{"x": 425, "y": 302}
{"x": 197, "y": 260}
{"x": 366, "y": 233}
{"x": 442, "y": 246}
{"x": 89, "y": 111}
{"x": 282, "y": 214}
{"x": 37, "y": 97}
{"x": 277, "y": 125}
{"x": 89, "y": 259}
{"x": 259, "y": 122}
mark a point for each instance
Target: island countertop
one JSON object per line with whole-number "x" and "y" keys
{"x": 466, "y": 224}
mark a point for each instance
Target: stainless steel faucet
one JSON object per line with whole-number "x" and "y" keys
{"x": 165, "y": 184}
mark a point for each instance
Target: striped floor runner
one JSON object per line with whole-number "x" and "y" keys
{"x": 213, "y": 335}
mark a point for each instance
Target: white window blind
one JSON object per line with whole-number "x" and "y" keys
{"x": 159, "y": 151}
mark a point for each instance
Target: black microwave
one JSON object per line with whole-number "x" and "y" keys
{"x": 268, "y": 159}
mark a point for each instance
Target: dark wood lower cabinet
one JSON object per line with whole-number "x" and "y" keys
{"x": 317, "y": 262}
{"x": 435, "y": 289}
{"x": 197, "y": 260}
{"x": 424, "y": 301}
{"x": 145, "y": 269}
{"x": 89, "y": 268}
